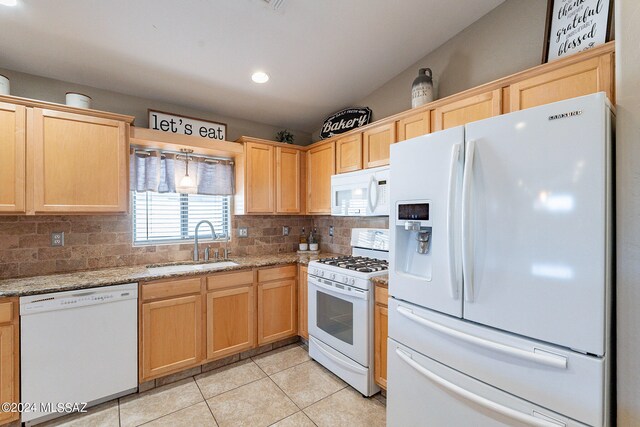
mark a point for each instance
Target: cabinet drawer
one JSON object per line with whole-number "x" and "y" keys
{"x": 227, "y": 280}
{"x": 382, "y": 295}
{"x": 276, "y": 273}
{"x": 6, "y": 312}
{"x": 172, "y": 288}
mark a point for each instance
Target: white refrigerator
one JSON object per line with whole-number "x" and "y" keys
{"x": 500, "y": 271}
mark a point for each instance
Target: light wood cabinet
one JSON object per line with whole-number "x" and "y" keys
{"x": 277, "y": 305}
{"x": 80, "y": 163}
{"x": 375, "y": 144}
{"x": 349, "y": 153}
{"x": 469, "y": 109}
{"x": 9, "y": 356}
{"x": 260, "y": 178}
{"x": 170, "y": 329}
{"x": 582, "y": 78}
{"x": 288, "y": 180}
{"x": 414, "y": 125}
{"x": 13, "y": 150}
{"x": 231, "y": 319}
{"x": 381, "y": 333}
{"x": 321, "y": 161}
{"x": 303, "y": 302}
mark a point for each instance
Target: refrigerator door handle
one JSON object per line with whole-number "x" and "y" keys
{"x": 467, "y": 244}
{"x": 453, "y": 174}
{"x": 542, "y": 358}
{"x": 479, "y": 400}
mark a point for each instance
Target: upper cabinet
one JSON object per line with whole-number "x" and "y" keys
{"x": 349, "y": 153}
{"x": 269, "y": 180}
{"x": 62, "y": 160}
{"x": 12, "y": 158}
{"x": 321, "y": 161}
{"x": 468, "y": 109}
{"x": 375, "y": 144}
{"x": 577, "y": 79}
{"x": 414, "y": 125}
{"x": 260, "y": 176}
{"x": 80, "y": 163}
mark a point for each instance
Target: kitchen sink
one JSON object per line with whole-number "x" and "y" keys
{"x": 185, "y": 268}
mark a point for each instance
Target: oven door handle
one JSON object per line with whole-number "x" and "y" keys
{"x": 347, "y": 365}
{"x": 356, "y": 295}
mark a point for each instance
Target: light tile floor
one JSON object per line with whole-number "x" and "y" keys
{"x": 281, "y": 388}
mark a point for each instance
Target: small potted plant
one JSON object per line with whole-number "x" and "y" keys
{"x": 284, "y": 136}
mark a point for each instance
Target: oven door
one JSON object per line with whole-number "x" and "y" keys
{"x": 338, "y": 316}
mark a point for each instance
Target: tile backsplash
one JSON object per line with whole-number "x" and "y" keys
{"x": 100, "y": 241}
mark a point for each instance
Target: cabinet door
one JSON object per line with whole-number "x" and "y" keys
{"x": 583, "y": 78}
{"x": 171, "y": 335}
{"x": 260, "y": 182}
{"x": 381, "y": 322}
{"x": 8, "y": 369}
{"x": 12, "y": 158}
{"x": 376, "y": 143}
{"x": 321, "y": 165}
{"x": 468, "y": 110}
{"x": 230, "y": 321}
{"x": 303, "y": 303}
{"x": 349, "y": 153}
{"x": 277, "y": 314}
{"x": 288, "y": 190}
{"x": 80, "y": 163}
{"x": 414, "y": 125}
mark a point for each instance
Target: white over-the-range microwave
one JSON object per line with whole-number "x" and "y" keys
{"x": 361, "y": 193}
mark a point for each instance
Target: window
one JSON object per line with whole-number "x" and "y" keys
{"x": 172, "y": 217}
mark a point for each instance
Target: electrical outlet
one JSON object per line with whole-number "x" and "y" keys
{"x": 243, "y": 231}
{"x": 285, "y": 230}
{"x": 57, "y": 238}
{"x": 331, "y": 231}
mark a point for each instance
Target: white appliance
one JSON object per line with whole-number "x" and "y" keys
{"x": 341, "y": 303}
{"x": 500, "y": 271}
{"x": 361, "y": 193}
{"x": 78, "y": 346}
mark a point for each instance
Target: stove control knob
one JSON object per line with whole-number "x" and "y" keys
{"x": 321, "y": 273}
{"x": 345, "y": 279}
{"x": 352, "y": 281}
{"x": 333, "y": 276}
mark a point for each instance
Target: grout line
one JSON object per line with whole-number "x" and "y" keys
{"x": 170, "y": 413}
{"x": 205, "y": 400}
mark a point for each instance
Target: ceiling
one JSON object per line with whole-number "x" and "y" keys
{"x": 322, "y": 55}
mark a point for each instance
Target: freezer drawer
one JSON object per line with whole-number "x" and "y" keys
{"x": 423, "y": 392}
{"x": 566, "y": 382}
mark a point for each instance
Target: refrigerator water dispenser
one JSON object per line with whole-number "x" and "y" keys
{"x": 413, "y": 242}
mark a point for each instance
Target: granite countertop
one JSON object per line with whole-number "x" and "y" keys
{"x": 381, "y": 280}
{"x": 119, "y": 275}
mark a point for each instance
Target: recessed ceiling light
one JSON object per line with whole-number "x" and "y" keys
{"x": 258, "y": 76}
{"x": 8, "y": 2}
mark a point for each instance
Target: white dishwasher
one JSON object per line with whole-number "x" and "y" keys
{"x": 77, "y": 346}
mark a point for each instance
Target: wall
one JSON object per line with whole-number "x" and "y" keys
{"x": 45, "y": 89}
{"x": 340, "y": 243}
{"x": 628, "y": 211}
{"x": 100, "y": 241}
{"x": 506, "y": 40}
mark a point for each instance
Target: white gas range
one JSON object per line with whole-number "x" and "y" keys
{"x": 341, "y": 308}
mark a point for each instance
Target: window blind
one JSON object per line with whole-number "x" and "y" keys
{"x": 172, "y": 217}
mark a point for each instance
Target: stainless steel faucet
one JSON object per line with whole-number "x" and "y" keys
{"x": 196, "y": 255}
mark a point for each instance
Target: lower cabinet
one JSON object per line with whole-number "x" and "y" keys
{"x": 303, "y": 302}
{"x": 9, "y": 356}
{"x": 381, "y": 333}
{"x": 170, "y": 327}
{"x": 277, "y": 304}
{"x": 231, "y": 317}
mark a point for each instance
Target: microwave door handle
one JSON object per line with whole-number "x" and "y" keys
{"x": 373, "y": 203}
{"x": 453, "y": 264}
